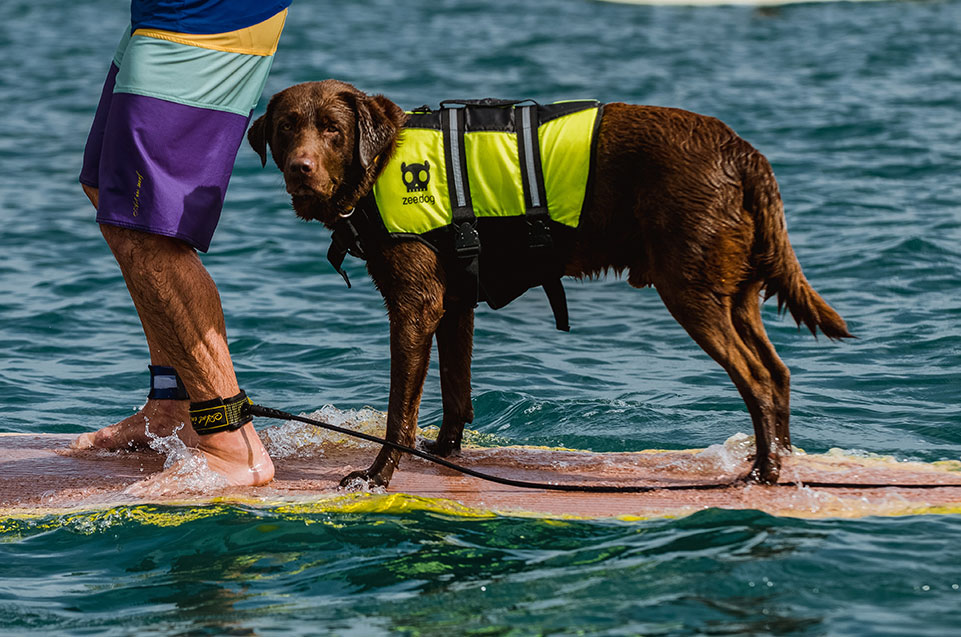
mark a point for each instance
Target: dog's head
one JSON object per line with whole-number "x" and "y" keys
{"x": 330, "y": 141}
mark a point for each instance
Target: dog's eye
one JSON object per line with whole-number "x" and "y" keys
{"x": 330, "y": 128}
{"x": 286, "y": 127}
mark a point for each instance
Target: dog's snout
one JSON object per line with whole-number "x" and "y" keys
{"x": 303, "y": 165}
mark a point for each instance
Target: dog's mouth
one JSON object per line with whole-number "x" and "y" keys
{"x": 311, "y": 202}
{"x": 300, "y": 190}
{"x": 300, "y": 187}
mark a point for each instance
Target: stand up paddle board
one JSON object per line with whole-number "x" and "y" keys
{"x": 40, "y": 474}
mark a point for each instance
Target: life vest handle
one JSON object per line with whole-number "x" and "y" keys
{"x": 487, "y": 101}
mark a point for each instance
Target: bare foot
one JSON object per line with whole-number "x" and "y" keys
{"x": 163, "y": 417}
{"x": 227, "y": 459}
{"x": 239, "y": 456}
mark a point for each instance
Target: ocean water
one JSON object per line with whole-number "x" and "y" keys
{"x": 857, "y": 106}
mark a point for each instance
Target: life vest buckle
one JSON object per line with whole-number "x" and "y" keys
{"x": 540, "y": 234}
{"x": 345, "y": 240}
{"x": 466, "y": 241}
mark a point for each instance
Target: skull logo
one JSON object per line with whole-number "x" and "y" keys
{"x": 415, "y": 176}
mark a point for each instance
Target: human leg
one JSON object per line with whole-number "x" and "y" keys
{"x": 160, "y": 417}
{"x": 172, "y": 115}
{"x": 180, "y": 309}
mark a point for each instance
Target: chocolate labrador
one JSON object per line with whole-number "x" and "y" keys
{"x": 678, "y": 201}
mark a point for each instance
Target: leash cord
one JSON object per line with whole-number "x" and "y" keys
{"x": 268, "y": 412}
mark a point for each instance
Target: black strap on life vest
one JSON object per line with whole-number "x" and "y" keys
{"x": 466, "y": 277}
{"x": 345, "y": 239}
{"x": 535, "y": 201}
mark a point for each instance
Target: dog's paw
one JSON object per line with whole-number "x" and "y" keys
{"x": 439, "y": 448}
{"x": 763, "y": 472}
{"x": 363, "y": 482}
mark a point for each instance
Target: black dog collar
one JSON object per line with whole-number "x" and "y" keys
{"x": 220, "y": 414}
{"x": 165, "y": 384}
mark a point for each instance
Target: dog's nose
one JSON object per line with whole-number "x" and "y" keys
{"x": 303, "y": 165}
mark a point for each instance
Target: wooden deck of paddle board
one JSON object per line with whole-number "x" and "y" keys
{"x": 40, "y": 473}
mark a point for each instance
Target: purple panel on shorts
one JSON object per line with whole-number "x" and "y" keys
{"x": 165, "y": 166}
{"x": 90, "y": 172}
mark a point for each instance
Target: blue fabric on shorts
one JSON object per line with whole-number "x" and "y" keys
{"x": 202, "y": 16}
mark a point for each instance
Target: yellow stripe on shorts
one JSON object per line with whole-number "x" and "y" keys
{"x": 259, "y": 39}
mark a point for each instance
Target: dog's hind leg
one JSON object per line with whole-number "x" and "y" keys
{"x": 746, "y": 316}
{"x": 708, "y": 319}
{"x": 455, "y": 338}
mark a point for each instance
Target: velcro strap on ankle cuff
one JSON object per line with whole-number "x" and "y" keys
{"x": 165, "y": 384}
{"x": 220, "y": 414}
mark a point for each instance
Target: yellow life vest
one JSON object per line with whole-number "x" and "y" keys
{"x": 414, "y": 192}
{"x": 495, "y": 188}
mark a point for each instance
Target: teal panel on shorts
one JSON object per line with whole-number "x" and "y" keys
{"x": 191, "y": 75}
{"x": 121, "y": 48}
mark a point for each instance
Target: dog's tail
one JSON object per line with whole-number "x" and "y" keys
{"x": 778, "y": 264}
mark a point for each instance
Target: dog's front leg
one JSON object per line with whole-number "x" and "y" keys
{"x": 455, "y": 342}
{"x": 413, "y": 321}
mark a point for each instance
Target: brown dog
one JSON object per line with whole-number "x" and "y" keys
{"x": 679, "y": 201}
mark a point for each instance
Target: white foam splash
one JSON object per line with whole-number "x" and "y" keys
{"x": 294, "y": 439}
{"x": 735, "y": 451}
{"x": 723, "y": 458}
{"x": 808, "y": 500}
{"x": 185, "y": 471}
{"x": 189, "y": 475}
{"x": 837, "y": 452}
{"x": 359, "y": 485}
{"x": 172, "y": 447}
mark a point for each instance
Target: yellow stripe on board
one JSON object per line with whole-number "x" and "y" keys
{"x": 16, "y": 522}
{"x": 176, "y": 512}
{"x": 260, "y": 39}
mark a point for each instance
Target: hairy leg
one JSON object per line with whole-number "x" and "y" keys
{"x": 180, "y": 309}
{"x": 162, "y": 417}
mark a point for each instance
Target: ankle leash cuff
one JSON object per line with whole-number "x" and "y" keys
{"x": 220, "y": 414}
{"x": 165, "y": 384}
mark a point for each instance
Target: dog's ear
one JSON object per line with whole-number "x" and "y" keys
{"x": 259, "y": 133}
{"x": 378, "y": 121}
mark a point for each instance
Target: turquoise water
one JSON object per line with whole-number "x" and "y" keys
{"x": 857, "y": 106}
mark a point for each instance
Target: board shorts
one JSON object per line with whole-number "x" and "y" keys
{"x": 171, "y": 119}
